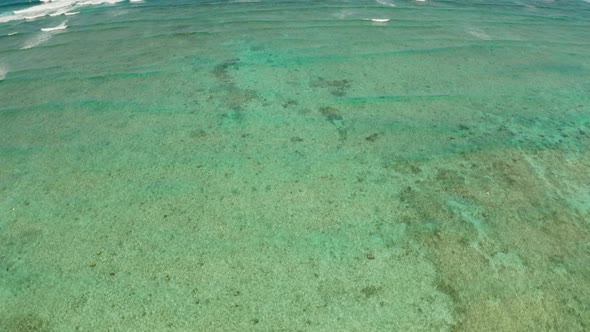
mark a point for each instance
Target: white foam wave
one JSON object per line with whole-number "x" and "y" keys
{"x": 30, "y": 18}
{"x": 62, "y": 26}
{"x": 51, "y": 8}
{"x": 386, "y": 3}
{"x": 3, "y": 72}
{"x": 36, "y": 40}
{"x": 478, "y": 33}
{"x": 61, "y": 12}
{"x": 343, "y": 14}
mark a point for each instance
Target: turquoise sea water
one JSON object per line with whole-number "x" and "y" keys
{"x": 295, "y": 166}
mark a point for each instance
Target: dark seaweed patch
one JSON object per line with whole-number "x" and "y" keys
{"x": 221, "y": 70}
{"x": 373, "y": 137}
{"x": 331, "y": 113}
{"x": 336, "y": 87}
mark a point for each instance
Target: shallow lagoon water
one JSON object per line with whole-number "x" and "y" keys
{"x": 293, "y": 165}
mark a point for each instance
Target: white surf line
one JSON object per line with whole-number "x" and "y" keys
{"x": 61, "y": 12}
{"x": 62, "y": 26}
{"x": 377, "y": 20}
{"x": 52, "y": 8}
{"x": 3, "y": 73}
{"x": 386, "y": 3}
{"x": 478, "y": 33}
{"x": 30, "y": 18}
{"x": 44, "y": 9}
{"x": 36, "y": 40}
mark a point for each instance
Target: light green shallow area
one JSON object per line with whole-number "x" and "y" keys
{"x": 294, "y": 166}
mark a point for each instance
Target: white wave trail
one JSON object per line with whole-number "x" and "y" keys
{"x": 62, "y": 26}
{"x": 51, "y": 8}
{"x": 386, "y": 3}
{"x": 36, "y": 40}
{"x": 3, "y": 72}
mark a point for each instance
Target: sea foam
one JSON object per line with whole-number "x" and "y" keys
{"x": 51, "y": 8}
{"x": 36, "y": 40}
{"x": 386, "y": 3}
{"x": 62, "y": 26}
